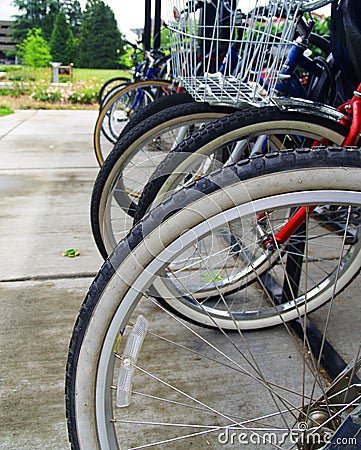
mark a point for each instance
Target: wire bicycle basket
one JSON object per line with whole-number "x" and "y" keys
{"x": 231, "y": 51}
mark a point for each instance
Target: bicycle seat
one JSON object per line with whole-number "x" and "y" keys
{"x": 346, "y": 39}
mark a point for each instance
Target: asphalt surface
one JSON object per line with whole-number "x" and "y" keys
{"x": 46, "y": 176}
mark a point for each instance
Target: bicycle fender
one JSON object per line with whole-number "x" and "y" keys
{"x": 308, "y": 107}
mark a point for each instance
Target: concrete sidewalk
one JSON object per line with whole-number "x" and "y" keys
{"x": 46, "y": 177}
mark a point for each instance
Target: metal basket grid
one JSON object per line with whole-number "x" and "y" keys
{"x": 231, "y": 51}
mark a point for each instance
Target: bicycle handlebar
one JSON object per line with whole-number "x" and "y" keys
{"x": 315, "y": 4}
{"x": 134, "y": 46}
{"x": 152, "y": 53}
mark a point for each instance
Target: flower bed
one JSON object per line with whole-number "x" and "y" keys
{"x": 45, "y": 95}
{"x": 81, "y": 92}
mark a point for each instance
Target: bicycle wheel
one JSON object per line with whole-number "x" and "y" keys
{"x": 109, "y": 85}
{"x": 124, "y": 174}
{"x": 119, "y": 108}
{"x": 232, "y": 138}
{"x": 227, "y": 264}
{"x": 160, "y": 104}
{"x": 138, "y": 376}
{"x": 246, "y": 133}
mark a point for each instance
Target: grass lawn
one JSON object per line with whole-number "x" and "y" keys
{"x": 25, "y": 80}
{"x": 5, "y": 111}
{"x": 99, "y": 74}
{"x": 21, "y": 73}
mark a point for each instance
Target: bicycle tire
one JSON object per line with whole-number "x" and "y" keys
{"x": 321, "y": 42}
{"x": 160, "y": 104}
{"x": 208, "y": 149}
{"x": 102, "y": 147}
{"x": 240, "y": 125}
{"x": 131, "y": 101}
{"x": 247, "y": 389}
{"x": 139, "y": 150}
{"x": 119, "y": 80}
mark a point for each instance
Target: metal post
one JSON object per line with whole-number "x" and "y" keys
{"x": 157, "y": 24}
{"x": 147, "y": 24}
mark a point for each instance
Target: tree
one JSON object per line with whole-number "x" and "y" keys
{"x": 62, "y": 44}
{"x": 322, "y": 25}
{"x": 72, "y": 11}
{"x": 100, "y": 41}
{"x": 34, "y": 14}
{"x": 42, "y": 14}
{"x": 34, "y": 50}
{"x": 72, "y": 49}
{"x": 164, "y": 37}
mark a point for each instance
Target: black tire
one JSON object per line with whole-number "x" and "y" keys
{"x": 160, "y": 104}
{"x": 113, "y": 296}
{"x": 321, "y": 42}
{"x": 133, "y": 142}
{"x": 118, "y": 81}
{"x": 228, "y": 130}
{"x": 108, "y": 127}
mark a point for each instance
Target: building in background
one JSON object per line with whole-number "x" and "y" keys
{"x": 7, "y": 46}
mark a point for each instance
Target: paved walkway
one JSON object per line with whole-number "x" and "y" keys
{"x": 46, "y": 176}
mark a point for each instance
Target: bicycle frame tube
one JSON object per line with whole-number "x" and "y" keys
{"x": 291, "y": 84}
{"x": 352, "y": 111}
{"x": 137, "y": 100}
{"x": 293, "y": 224}
{"x": 353, "y": 120}
{"x": 291, "y": 227}
{"x": 151, "y": 73}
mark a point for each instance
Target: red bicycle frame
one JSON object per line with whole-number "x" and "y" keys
{"x": 352, "y": 119}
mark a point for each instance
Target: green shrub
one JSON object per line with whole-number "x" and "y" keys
{"x": 5, "y": 91}
{"x": 16, "y": 77}
{"x": 34, "y": 50}
{"x": 16, "y": 89}
{"x": 10, "y": 68}
{"x": 21, "y": 76}
{"x": 5, "y": 109}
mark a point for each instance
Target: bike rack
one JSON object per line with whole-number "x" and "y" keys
{"x": 148, "y": 24}
{"x": 321, "y": 348}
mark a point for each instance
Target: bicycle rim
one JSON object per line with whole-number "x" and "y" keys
{"x": 265, "y": 389}
{"x": 185, "y": 167}
{"x": 117, "y": 110}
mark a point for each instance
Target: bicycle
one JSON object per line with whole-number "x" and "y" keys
{"x": 225, "y": 142}
{"x": 154, "y": 64}
{"x": 135, "y": 379}
{"x": 187, "y": 259}
{"x": 245, "y": 134}
{"x": 111, "y": 188}
{"x": 255, "y": 132}
{"x": 148, "y": 82}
